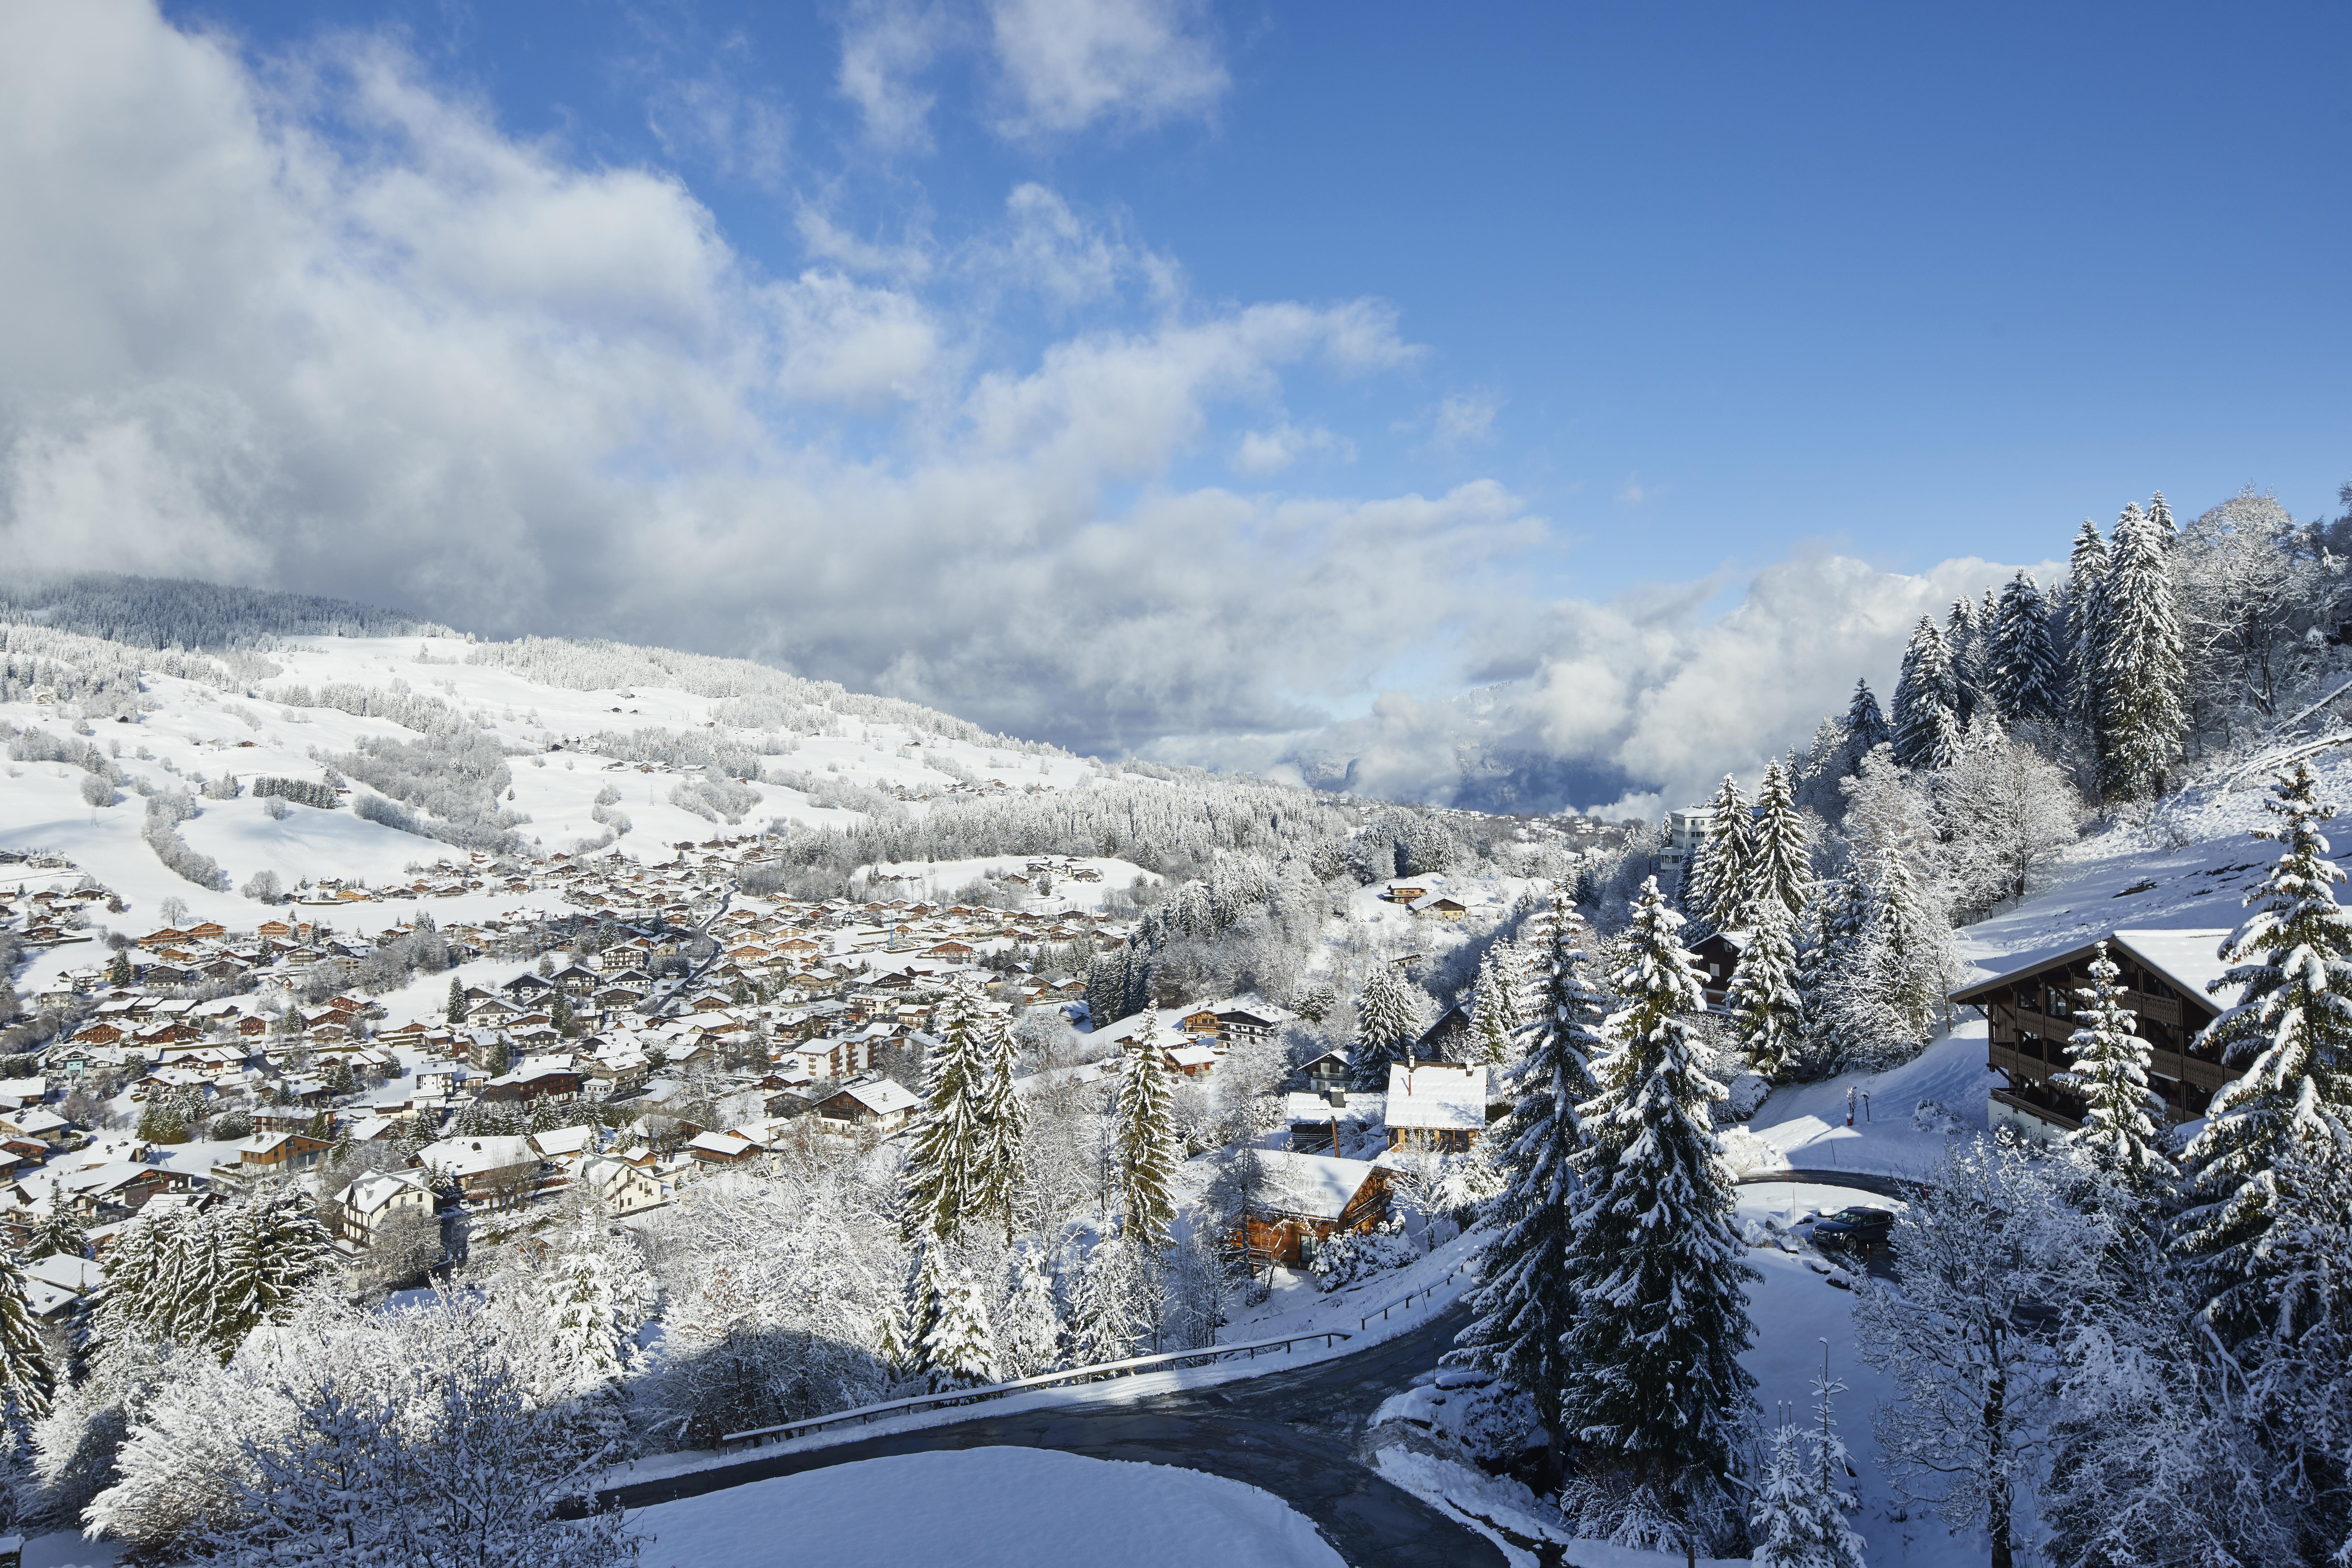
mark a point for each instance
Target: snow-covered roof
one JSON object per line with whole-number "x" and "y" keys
{"x": 1435, "y": 1096}
{"x": 473, "y": 1156}
{"x": 1320, "y": 1186}
{"x": 2187, "y": 957}
{"x": 883, "y": 1096}
{"x": 367, "y": 1193}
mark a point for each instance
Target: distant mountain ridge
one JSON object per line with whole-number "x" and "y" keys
{"x": 187, "y": 614}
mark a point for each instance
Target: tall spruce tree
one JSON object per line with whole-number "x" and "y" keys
{"x": 1766, "y": 1010}
{"x": 1965, "y": 635}
{"x": 2142, "y": 673}
{"x": 1654, "y": 1392}
{"x": 2292, "y": 1029}
{"x": 956, "y": 1172}
{"x": 1490, "y": 1009}
{"x": 1798, "y": 1518}
{"x": 456, "y": 1012}
{"x": 1143, "y": 1137}
{"x": 1528, "y": 1300}
{"x": 1866, "y": 729}
{"x": 58, "y": 1234}
{"x": 1385, "y": 1027}
{"x": 1715, "y": 887}
{"x": 1779, "y": 861}
{"x": 1927, "y": 723}
{"x": 2110, "y": 1072}
{"x": 27, "y": 1384}
{"x": 2159, "y": 518}
{"x": 2086, "y": 624}
{"x": 2029, "y": 683}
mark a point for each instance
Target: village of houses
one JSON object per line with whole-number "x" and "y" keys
{"x": 704, "y": 1029}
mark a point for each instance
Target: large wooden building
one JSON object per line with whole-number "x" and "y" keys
{"x": 2029, "y": 1011}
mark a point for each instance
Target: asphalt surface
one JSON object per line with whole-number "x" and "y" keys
{"x": 1292, "y": 1434}
{"x": 1860, "y": 1181}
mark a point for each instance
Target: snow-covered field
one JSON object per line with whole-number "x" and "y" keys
{"x": 986, "y": 1508}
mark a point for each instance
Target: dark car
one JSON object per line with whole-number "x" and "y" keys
{"x": 1853, "y": 1227}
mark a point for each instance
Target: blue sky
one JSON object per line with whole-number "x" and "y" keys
{"x": 1598, "y": 317}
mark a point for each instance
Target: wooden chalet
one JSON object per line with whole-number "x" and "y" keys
{"x": 1310, "y": 1196}
{"x": 2029, "y": 1011}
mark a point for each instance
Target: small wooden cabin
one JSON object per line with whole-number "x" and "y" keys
{"x": 1310, "y": 1196}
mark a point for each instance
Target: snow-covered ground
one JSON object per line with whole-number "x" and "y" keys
{"x": 987, "y": 1508}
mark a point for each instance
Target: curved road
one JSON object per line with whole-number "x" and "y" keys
{"x": 1291, "y": 1432}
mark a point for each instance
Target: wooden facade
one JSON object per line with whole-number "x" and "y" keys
{"x": 1281, "y": 1233}
{"x": 2031, "y": 1012}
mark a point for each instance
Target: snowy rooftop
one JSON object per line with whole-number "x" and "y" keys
{"x": 2188, "y": 956}
{"x": 1320, "y": 1186}
{"x": 1436, "y": 1096}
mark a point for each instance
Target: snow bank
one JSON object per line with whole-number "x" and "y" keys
{"x": 987, "y": 1508}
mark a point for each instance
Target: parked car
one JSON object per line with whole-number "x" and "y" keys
{"x": 1853, "y": 1227}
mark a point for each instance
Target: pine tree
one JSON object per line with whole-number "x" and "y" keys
{"x": 58, "y": 1234}
{"x": 2087, "y": 617}
{"x": 590, "y": 1292}
{"x": 1004, "y": 1123}
{"x": 246, "y": 1266}
{"x": 1528, "y": 1298}
{"x": 118, "y": 969}
{"x": 2110, "y": 1072}
{"x": 2292, "y": 1028}
{"x": 2029, "y": 683}
{"x": 1766, "y": 1010}
{"x": 958, "y": 1172}
{"x": 1490, "y": 1008}
{"x": 456, "y": 1010}
{"x": 1837, "y": 918}
{"x": 1109, "y": 1314}
{"x": 1654, "y": 1389}
{"x": 959, "y": 1350}
{"x": 1385, "y": 1027}
{"x": 1032, "y": 1332}
{"x": 1780, "y": 862}
{"x": 26, "y": 1382}
{"x": 1798, "y": 1518}
{"x": 1964, "y": 635}
{"x": 1715, "y": 888}
{"x": 2142, "y": 673}
{"x": 2159, "y": 518}
{"x": 1144, "y": 1136}
{"x": 1866, "y": 729}
{"x": 1926, "y": 696}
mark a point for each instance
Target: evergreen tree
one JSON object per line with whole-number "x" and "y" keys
{"x": 1866, "y": 729}
{"x": 1925, "y": 697}
{"x": 58, "y": 1234}
{"x": 1032, "y": 1331}
{"x": 2292, "y": 1028}
{"x": 2142, "y": 674}
{"x": 1490, "y": 1035}
{"x": 1528, "y": 1298}
{"x": 456, "y": 1010}
{"x": 2029, "y": 683}
{"x": 2110, "y": 1072}
{"x": 1714, "y": 887}
{"x": 1144, "y": 1137}
{"x": 590, "y": 1292}
{"x": 118, "y": 969}
{"x": 1004, "y": 1122}
{"x": 1654, "y": 1390}
{"x": 1837, "y": 919}
{"x": 2159, "y": 518}
{"x": 1111, "y": 1310}
{"x": 1798, "y": 1518}
{"x": 959, "y": 1348}
{"x": 958, "y": 1171}
{"x": 1765, "y": 1009}
{"x": 263, "y": 1252}
{"x": 1964, "y": 635}
{"x": 1780, "y": 861}
{"x": 26, "y": 1382}
{"x": 2087, "y": 617}
{"x": 1385, "y": 1027}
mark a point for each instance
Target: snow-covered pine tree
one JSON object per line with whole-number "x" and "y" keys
{"x": 1779, "y": 861}
{"x": 1111, "y": 1307}
{"x": 2086, "y": 623}
{"x": 1714, "y": 887}
{"x": 2142, "y": 673}
{"x": 959, "y": 1348}
{"x": 1143, "y": 1136}
{"x": 2292, "y": 1028}
{"x": 1490, "y": 1003}
{"x": 1385, "y": 1029}
{"x": 2110, "y": 1072}
{"x": 1654, "y": 1394}
{"x": 1766, "y": 1010}
{"x": 956, "y": 1172}
{"x": 1029, "y": 1339}
{"x": 1964, "y": 637}
{"x": 1798, "y": 1518}
{"x": 1004, "y": 1122}
{"x": 2029, "y": 683}
{"x": 1528, "y": 1296}
{"x": 1106, "y": 987}
{"x": 592, "y": 1291}
{"x": 58, "y": 1234}
{"x": 25, "y": 1385}
{"x": 454, "y": 1013}
{"x": 1829, "y": 947}
{"x": 1866, "y": 729}
{"x": 2159, "y": 518}
{"x": 262, "y": 1253}
{"x": 1926, "y": 723}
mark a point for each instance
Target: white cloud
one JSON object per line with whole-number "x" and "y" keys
{"x": 362, "y": 341}
{"x": 1070, "y": 65}
{"x": 1263, "y": 452}
{"x": 886, "y": 45}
